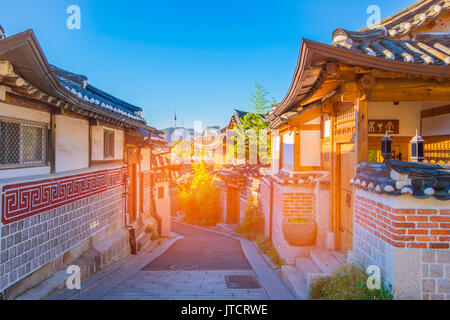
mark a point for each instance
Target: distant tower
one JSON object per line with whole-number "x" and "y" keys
{"x": 175, "y": 118}
{"x": 2, "y": 33}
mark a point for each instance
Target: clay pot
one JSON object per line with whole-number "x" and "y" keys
{"x": 299, "y": 234}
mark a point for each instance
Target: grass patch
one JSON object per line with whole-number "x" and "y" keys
{"x": 349, "y": 282}
{"x": 252, "y": 228}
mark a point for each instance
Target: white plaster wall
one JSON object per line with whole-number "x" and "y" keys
{"x": 71, "y": 143}
{"x": 19, "y": 113}
{"x": 145, "y": 163}
{"x": 288, "y": 150}
{"x": 310, "y": 148}
{"x": 11, "y": 111}
{"x": 276, "y": 153}
{"x": 24, "y": 172}
{"x": 407, "y": 112}
{"x": 97, "y": 143}
{"x": 163, "y": 207}
{"x": 436, "y": 126}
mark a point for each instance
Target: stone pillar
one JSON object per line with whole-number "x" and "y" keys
{"x": 408, "y": 238}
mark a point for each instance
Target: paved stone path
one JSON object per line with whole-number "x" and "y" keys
{"x": 192, "y": 267}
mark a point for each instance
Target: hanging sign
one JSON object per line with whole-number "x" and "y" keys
{"x": 383, "y": 126}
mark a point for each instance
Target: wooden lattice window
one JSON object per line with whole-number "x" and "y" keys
{"x": 108, "y": 144}
{"x": 161, "y": 193}
{"x": 22, "y": 143}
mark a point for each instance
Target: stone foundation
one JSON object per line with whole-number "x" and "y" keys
{"x": 52, "y": 238}
{"x": 408, "y": 239}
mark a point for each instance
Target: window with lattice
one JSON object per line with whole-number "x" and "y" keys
{"x": 22, "y": 143}
{"x": 108, "y": 144}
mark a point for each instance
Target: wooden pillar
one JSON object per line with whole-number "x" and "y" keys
{"x": 334, "y": 182}
{"x": 361, "y": 130}
{"x": 52, "y": 142}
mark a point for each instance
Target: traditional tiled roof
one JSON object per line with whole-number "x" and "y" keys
{"x": 396, "y": 178}
{"x": 243, "y": 171}
{"x": 426, "y": 48}
{"x": 79, "y": 87}
{"x": 413, "y": 17}
{"x": 299, "y": 178}
{"x": 374, "y": 48}
{"x": 238, "y": 115}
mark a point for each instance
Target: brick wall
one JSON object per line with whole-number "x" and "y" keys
{"x": 404, "y": 228}
{"x": 295, "y": 203}
{"x": 33, "y": 237}
{"x": 409, "y": 242}
{"x": 291, "y": 201}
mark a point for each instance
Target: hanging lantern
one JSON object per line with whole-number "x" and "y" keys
{"x": 417, "y": 148}
{"x": 386, "y": 147}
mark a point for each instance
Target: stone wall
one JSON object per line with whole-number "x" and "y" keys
{"x": 408, "y": 239}
{"x": 42, "y": 220}
{"x": 163, "y": 208}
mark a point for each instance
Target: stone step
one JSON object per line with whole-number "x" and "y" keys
{"x": 142, "y": 241}
{"x": 306, "y": 266}
{"x": 309, "y": 271}
{"x": 324, "y": 260}
{"x": 294, "y": 281}
{"x": 340, "y": 256}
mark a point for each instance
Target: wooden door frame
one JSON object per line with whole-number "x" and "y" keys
{"x": 233, "y": 213}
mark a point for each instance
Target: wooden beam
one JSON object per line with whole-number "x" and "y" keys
{"x": 399, "y": 90}
{"x": 5, "y": 68}
{"x": 14, "y": 82}
{"x": 435, "y": 111}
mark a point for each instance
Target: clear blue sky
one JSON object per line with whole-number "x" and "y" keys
{"x": 199, "y": 57}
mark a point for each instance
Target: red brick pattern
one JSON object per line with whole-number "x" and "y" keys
{"x": 23, "y": 200}
{"x": 404, "y": 228}
{"x": 295, "y": 203}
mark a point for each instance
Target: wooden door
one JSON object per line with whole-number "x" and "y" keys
{"x": 132, "y": 189}
{"x": 347, "y": 163}
{"x": 233, "y": 207}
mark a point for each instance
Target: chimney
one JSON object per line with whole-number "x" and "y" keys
{"x": 2, "y": 32}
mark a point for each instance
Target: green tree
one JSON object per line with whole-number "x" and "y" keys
{"x": 259, "y": 105}
{"x": 258, "y": 100}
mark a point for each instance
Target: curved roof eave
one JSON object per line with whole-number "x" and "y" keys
{"x": 51, "y": 84}
{"x": 336, "y": 54}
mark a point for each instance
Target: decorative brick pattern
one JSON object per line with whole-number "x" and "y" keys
{"x": 404, "y": 228}
{"x": 295, "y": 203}
{"x": 27, "y": 199}
{"x": 30, "y": 243}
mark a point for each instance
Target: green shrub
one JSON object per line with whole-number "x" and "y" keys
{"x": 252, "y": 228}
{"x": 266, "y": 246}
{"x": 348, "y": 282}
{"x": 252, "y": 225}
{"x": 149, "y": 229}
{"x": 199, "y": 198}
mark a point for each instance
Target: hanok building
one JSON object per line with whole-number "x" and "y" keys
{"x": 239, "y": 179}
{"x": 75, "y": 169}
{"x": 391, "y": 78}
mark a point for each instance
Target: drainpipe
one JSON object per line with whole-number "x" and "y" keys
{"x": 133, "y": 244}
{"x": 271, "y": 210}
